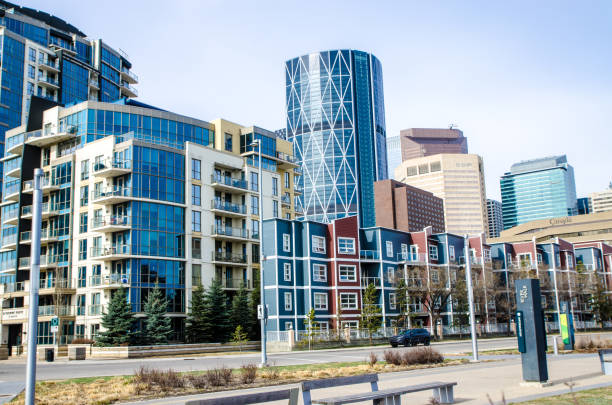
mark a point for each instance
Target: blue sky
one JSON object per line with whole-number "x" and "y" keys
{"x": 522, "y": 79}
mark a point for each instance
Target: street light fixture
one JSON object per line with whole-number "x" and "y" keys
{"x": 264, "y": 355}
{"x": 470, "y": 291}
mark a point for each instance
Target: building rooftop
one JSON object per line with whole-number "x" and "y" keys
{"x": 51, "y": 20}
{"x": 548, "y": 162}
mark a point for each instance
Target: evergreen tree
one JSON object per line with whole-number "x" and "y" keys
{"x": 240, "y": 311}
{"x": 157, "y": 325}
{"x": 194, "y": 326}
{"x": 370, "y": 315}
{"x": 117, "y": 322}
{"x": 254, "y": 329}
{"x": 216, "y": 322}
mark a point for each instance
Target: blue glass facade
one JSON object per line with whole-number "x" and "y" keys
{"x": 335, "y": 119}
{"x": 538, "y": 189}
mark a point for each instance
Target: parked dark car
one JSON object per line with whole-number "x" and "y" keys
{"x": 411, "y": 337}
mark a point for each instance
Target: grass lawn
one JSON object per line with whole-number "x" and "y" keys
{"x": 599, "y": 396}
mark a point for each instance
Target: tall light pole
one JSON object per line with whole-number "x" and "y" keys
{"x": 264, "y": 354}
{"x": 468, "y": 280}
{"x": 34, "y": 280}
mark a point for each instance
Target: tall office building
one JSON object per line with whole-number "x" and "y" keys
{"x": 538, "y": 189}
{"x": 133, "y": 197}
{"x": 459, "y": 180}
{"x": 420, "y": 142}
{"x": 46, "y": 56}
{"x": 584, "y": 205}
{"x": 336, "y": 120}
{"x": 394, "y": 153}
{"x": 602, "y": 200}
{"x": 495, "y": 217}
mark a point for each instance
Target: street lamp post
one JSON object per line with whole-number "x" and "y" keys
{"x": 468, "y": 280}
{"x": 264, "y": 355}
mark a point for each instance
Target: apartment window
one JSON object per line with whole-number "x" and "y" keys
{"x": 433, "y": 252}
{"x": 435, "y": 167}
{"x": 288, "y": 325}
{"x": 424, "y": 168}
{"x": 348, "y": 300}
{"x": 286, "y": 242}
{"x": 30, "y": 88}
{"x": 288, "y": 302}
{"x": 346, "y": 246}
{"x": 487, "y": 254}
{"x": 349, "y": 324}
{"x": 228, "y": 142}
{"x": 79, "y": 330}
{"x": 348, "y": 273}
{"x": 196, "y": 221}
{"x": 451, "y": 252}
{"x": 411, "y": 171}
{"x": 254, "y": 205}
{"x": 196, "y": 275}
{"x": 31, "y": 72}
{"x": 196, "y": 169}
{"x": 389, "y": 246}
{"x": 404, "y": 248}
{"x": 196, "y": 195}
{"x": 319, "y": 272}
{"x": 255, "y": 228}
{"x": 83, "y": 222}
{"x": 83, "y": 249}
{"x": 80, "y": 304}
{"x": 94, "y": 330}
{"x": 274, "y": 186}
{"x": 82, "y": 280}
{"x": 85, "y": 169}
{"x": 254, "y": 181}
{"x": 84, "y": 200}
{"x": 320, "y": 301}
{"x": 390, "y": 274}
{"x": 539, "y": 256}
{"x": 32, "y": 54}
{"x": 275, "y": 209}
{"x": 287, "y": 271}
{"x": 392, "y": 301}
{"x": 318, "y": 244}
{"x": 287, "y": 180}
{"x": 196, "y": 248}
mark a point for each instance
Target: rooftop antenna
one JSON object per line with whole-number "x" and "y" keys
{"x": 452, "y": 126}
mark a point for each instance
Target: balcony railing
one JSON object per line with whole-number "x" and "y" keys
{"x": 365, "y": 281}
{"x": 95, "y": 309}
{"x": 285, "y": 157}
{"x": 49, "y": 63}
{"x": 411, "y": 257}
{"x": 108, "y": 192}
{"x": 56, "y": 310}
{"x": 286, "y": 200}
{"x": 109, "y": 279}
{"x": 110, "y": 250}
{"x": 112, "y": 164}
{"x": 54, "y": 283}
{"x": 229, "y": 231}
{"x": 228, "y": 206}
{"x": 13, "y": 287}
{"x": 229, "y": 257}
{"x": 111, "y": 220}
{"x": 229, "y": 181}
{"x": 9, "y": 239}
{"x": 235, "y": 283}
{"x": 369, "y": 254}
{"x": 129, "y": 73}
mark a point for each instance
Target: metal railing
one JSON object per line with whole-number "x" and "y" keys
{"x": 229, "y": 231}
{"x": 129, "y": 73}
{"x": 130, "y": 88}
{"x": 111, "y": 220}
{"x": 229, "y": 181}
{"x": 218, "y": 204}
{"x": 110, "y": 250}
{"x": 56, "y": 310}
{"x": 229, "y": 257}
{"x": 286, "y": 200}
{"x": 411, "y": 257}
{"x": 286, "y": 157}
{"x": 54, "y": 283}
{"x": 365, "y": 281}
{"x": 95, "y": 309}
{"x": 369, "y": 254}
{"x": 235, "y": 283}
{"x": 9, "y": 239}
{"x": 108, "y": 192}
{"x": 49, "y": 80}
{"x": 109, "y": 279}
{"x": 46, "y": 62}
{"x": 110, "y": 163}
{"x": 13, "y": 287}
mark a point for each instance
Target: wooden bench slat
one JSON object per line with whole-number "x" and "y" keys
{"x": 248, "y": 398}
{"x": 368, "y": 396}
{"x": 335, "y": 382}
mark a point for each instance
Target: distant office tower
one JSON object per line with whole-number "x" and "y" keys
{"x": 419, "y": 142}
{"x": 494, "y": 214}
{"x": 584, "y": 205}
{"x": 406, "y": 208}
{"x": 45, "y": 56}
{"x": 394, "y": 153}
{"x": 336, "y": 121}
{"x": 459, "y": 180}
{"x": 602, "y": 201}
{"x": 538, "y": 189}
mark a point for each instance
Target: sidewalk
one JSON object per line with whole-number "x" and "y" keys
{"x": 474, "y": 382}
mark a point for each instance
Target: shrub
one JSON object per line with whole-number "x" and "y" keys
{"x": 214, "y": 378}
{"x": 164, "y": 380}
{"x": 249, "y": 372}
{"x": 198, "y": 381}
{"x": 392, "y": 357}
{"x": 425, "y": 355}
{"x": 226, "y": 375}
{"x": 372, "y": 359}
{"x": 270, "y": 373}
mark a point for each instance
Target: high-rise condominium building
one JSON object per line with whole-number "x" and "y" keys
{"x": 46, "y": 56}
{"x": 394, "y": 153}
{"x": 459, "y": 180}
{"x": 538, "y": 189}
{"x": 495, "y": 217}
{"x": 133, "y": 197}
{"x": 419, "y": 142}
{"x": 336, "y": 120}
{"x": 602, "y": 200}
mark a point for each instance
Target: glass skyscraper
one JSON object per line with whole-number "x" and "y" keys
{"x": 336, "y": 121}
{"x": 538, "y": 189}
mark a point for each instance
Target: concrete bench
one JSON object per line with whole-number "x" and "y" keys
{"x": 307, "y": 386}
{"x": 606, "y": 365}
{"x": 290, "y": 394}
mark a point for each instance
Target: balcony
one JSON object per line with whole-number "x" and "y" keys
{"x": 111, "y": 195}
{"x": 128, "y": 76}
{"x": 46, "y": 261}
{"x": 229, "y": 233}
{"x": 227, "y": 208}
{"x": 111, "y": 252}
{"x": 94, "y": 83}
{"x": 48, "y": 210}
{"x": 412, "y": 258}
{"x": 52, "y": 286}
{"x": 112, "y": 168}
{"x": 228, "y": 183}
{"x": 297, "y": 189}
{"x": 229, "y": 259}
{"x": 48, "y": 82}
{"x": 369, "y": 255}
{"x": 235, "y": 283}
{"x": 11, "y": 217}
{"x": 127, "y": 90}
{"x": 14, "y": 144}
{"x": 47, "y": 235}
{"x": 41, "y": 140}
{"x": 56, "y": 310}
{"x": 110, "y": 281}
{"x": 285, "y": 160}
{"x": 59, "y": 44}
{"x": 365, "y": 281}
{"x": 9, "y": 242}
{"x": 46, "y": 64}
{"x": 11, "y": 191}
{"x": 112, "y": 223}
{"x": 95, "y": 310}
{"x": 286, "y": 200}
{"x": 14, "y": 288}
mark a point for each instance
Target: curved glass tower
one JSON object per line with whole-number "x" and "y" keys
{"x": 336, "y": 121}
